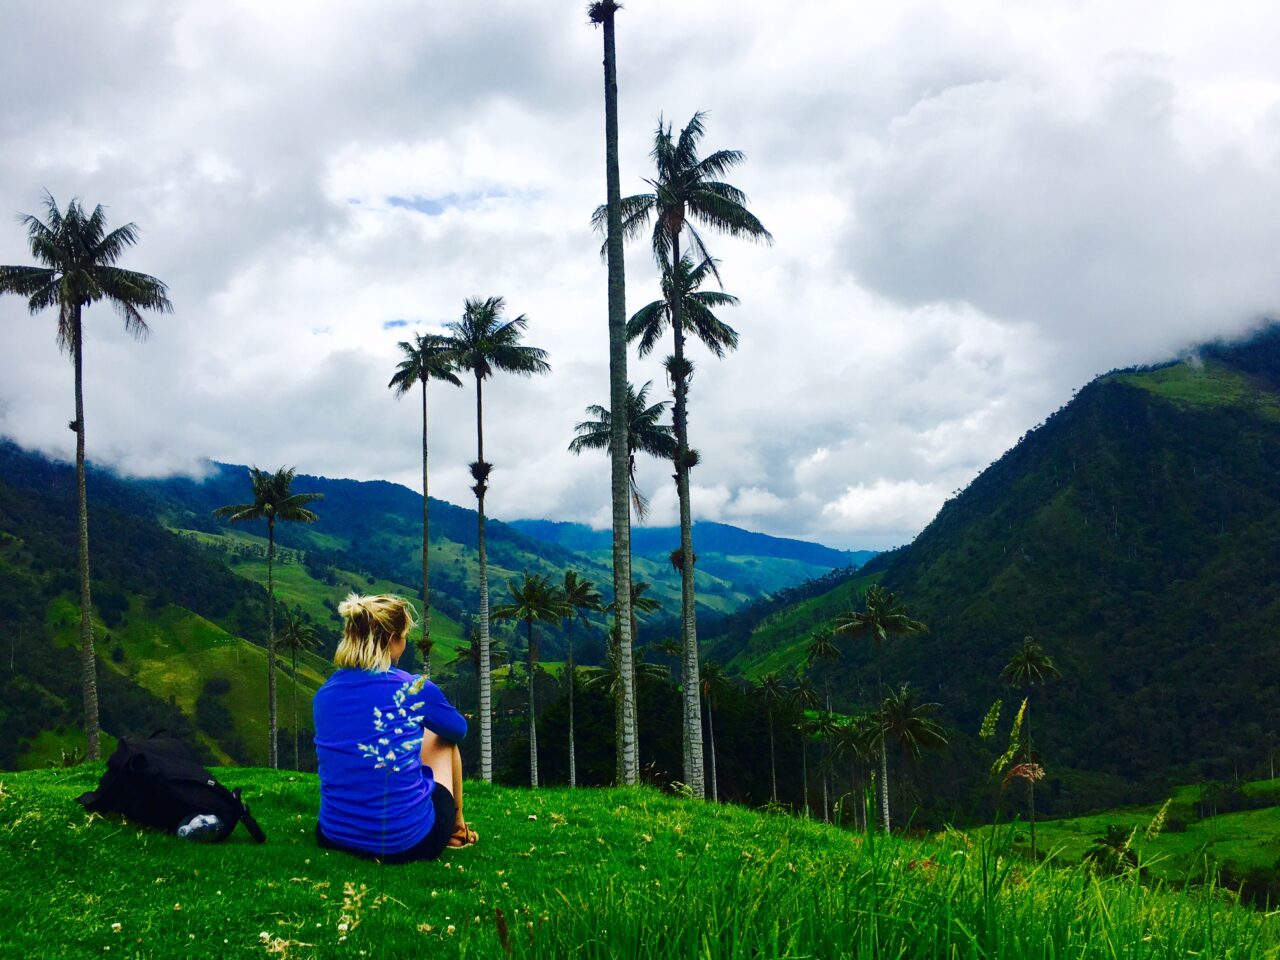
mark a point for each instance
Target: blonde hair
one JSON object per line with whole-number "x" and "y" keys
{"x": 370, "y": 624}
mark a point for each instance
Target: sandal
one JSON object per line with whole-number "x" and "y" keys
{"x": 463, "y": 838}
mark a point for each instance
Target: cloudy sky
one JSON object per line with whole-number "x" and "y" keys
{"x": 977, "y": 207}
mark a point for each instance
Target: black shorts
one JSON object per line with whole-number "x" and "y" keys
{"x": 428, "y": 848}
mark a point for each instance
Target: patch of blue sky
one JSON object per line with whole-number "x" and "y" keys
{"x": 434, "y": 206}
{"x": 395, "y": 324}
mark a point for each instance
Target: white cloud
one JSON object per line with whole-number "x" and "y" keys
{"x": 977, "y": 206}
{"x": 884, "y": 506}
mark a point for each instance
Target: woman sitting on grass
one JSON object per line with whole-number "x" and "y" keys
{"x": 386, "y": 743}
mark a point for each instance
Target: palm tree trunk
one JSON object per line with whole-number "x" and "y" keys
{"x": 773, "y": 768}
{"x": 826, "y": 793}
{"x": 533, "y": 711}
{"x": 573, "y": 763}
{"x": 635, "y": 684}
{"x": 804, "y": 772}
{"x": 619, "y": 482}
{"x": 426, "y": 595}
{"x": 884, "y": 786}
{"x": 486, "y": 680}
{"x": 88, "y": 663}
{"x": 711, "y": 737}
{"x": 1031, "y": 784}
{"x": 297, "y": 764}
{"x": 272, "y": 758}
{"x": 688, "y": 619}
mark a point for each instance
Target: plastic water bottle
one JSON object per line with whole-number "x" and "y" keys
{"x": 203, "y": 826}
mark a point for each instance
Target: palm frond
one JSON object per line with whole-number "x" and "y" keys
{"x": 111, "y": 247}
{"x": 25, "y": 281}
{"x": 727, "y": 216}
{"x": 647, "y": 325}
{"x": 240, "y": 512}
{"x": 718, "y": 164}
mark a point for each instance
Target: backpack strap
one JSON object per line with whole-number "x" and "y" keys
{"x": 250, "y": 824}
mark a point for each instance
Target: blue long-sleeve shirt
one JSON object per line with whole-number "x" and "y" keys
{"x": 375, "y": 793}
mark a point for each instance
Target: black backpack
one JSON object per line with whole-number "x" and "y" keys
{"x": 159, "y": 782}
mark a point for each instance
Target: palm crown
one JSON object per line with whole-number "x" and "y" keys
{"x": 533, "y": 598}
{"x": 646, "y": 433}
{"x": 272, "y": 500}
{"x": 909, "y": 723}
{"x": 687, "y": 189}
{"x": 482, "y": 342}
{"x": 882, "y": 618}
{"x": 696, "y": 310}
{"x": 1029, "y": 666}
{"x": 580, "y": 596}
{"x": 428, "y": 356}
{"x": 822, "y": 645}
{"x": 78, "y": 258}
{"x": 640, "y": 603}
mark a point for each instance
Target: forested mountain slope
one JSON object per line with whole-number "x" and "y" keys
{"x": 1136, "y": 535}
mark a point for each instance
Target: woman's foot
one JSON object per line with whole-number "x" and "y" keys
{"x": 463, "y": 836}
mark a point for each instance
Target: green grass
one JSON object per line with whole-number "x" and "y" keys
{"x": 586, "y": 873}
{"x": 1246, "y": 838}
{"x": 1204, "y": 384}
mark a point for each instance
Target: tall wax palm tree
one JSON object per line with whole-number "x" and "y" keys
{"x": 686, "y": 191}
{"x": 857, "y": 741}
{"x": 774, "y": 693}
{"x": 1029, "y": 667}
{"x": 484, "y": 344}
{"x": 581, "y": 598}
{"x": 77, "y": 257}
{"x": 646, "y": 433}
{"x": 298, "y": 634}
{"x": 881, "y": 619}
{"x": 601, "y": 13}
{"x": 534, "y": 599}
{"x": 823, "y": 729}
{"x": 611, "y": 678}
{"x": 803, "y": 699}
{"x": 909, "y": 725}
{"x": 822, "y": 647}
{"x": 426, "y": 357}
{"x": 714, "y": 684}
{"x": 273, "y": 500}
{"x": 681, "y": 297}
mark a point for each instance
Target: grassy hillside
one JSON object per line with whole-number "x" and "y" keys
{"x": 296, "y": 586}
{"x": 779, "y": 643}
{"x": 174, "y": 653}
{"x": 587, "y": 873}
{"x": 1185, "y": 839}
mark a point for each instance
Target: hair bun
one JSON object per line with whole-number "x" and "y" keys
{"x": 352, "y": 605}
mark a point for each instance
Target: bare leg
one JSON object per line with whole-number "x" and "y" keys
{"x": 446, "y": 766}
{"x": 438, "y": 754}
